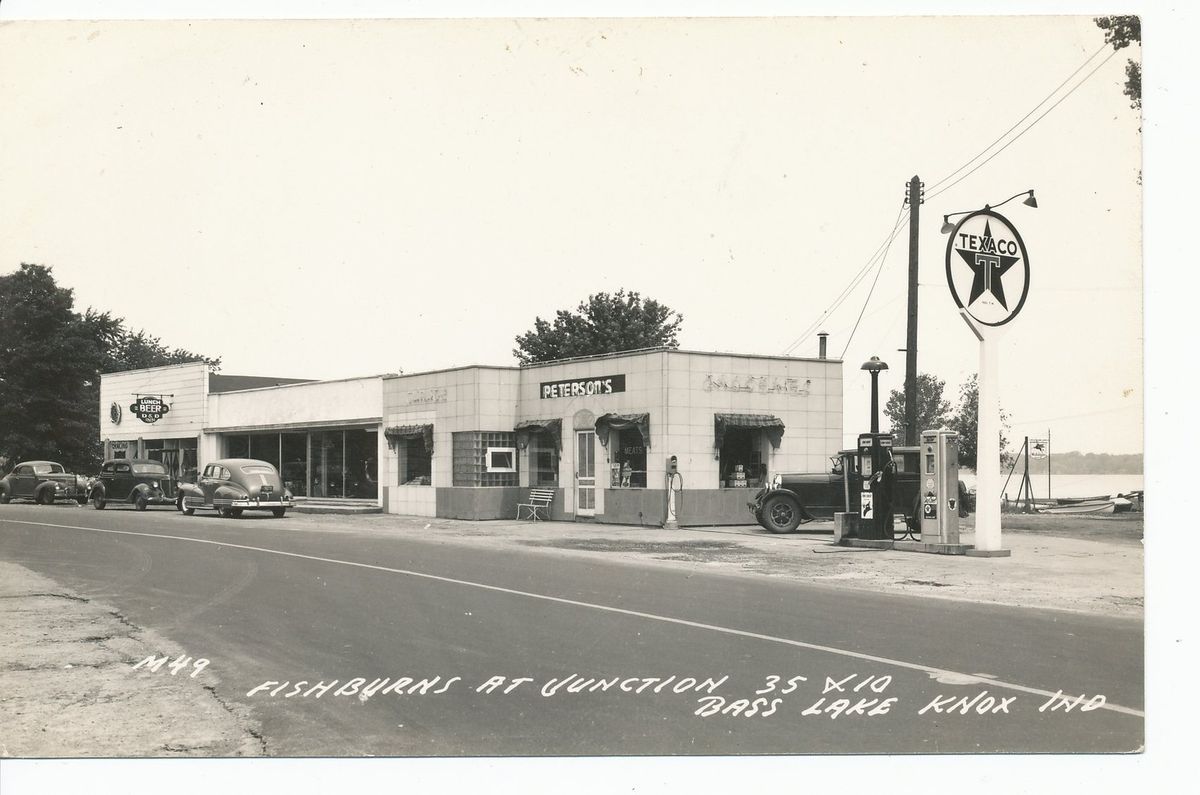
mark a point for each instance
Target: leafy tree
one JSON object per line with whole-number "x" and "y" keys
{"x": 933, "y": 411}
{"x": 1120, "y": 32}
{"x": 51, "y": 359}
{"x": 604, "y": 323}
{"x": 965, "y": 422}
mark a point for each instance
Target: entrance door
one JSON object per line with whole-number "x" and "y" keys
{"x": 585, "y": 473}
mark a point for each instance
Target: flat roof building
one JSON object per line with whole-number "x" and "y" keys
{"x": 470, "y": 442}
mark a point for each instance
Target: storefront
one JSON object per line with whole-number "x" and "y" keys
{"x": 599, "y": 431}
{"x": 470, "y": 442}
{"x": 322, "y": 436}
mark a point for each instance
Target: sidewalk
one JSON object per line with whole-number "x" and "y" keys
{"x": 1092, "y": 576}
{"x": 68, "y": 687}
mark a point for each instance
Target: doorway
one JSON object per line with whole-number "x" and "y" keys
{"x": 585, "y": 473}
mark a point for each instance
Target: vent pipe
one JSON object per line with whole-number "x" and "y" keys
{"x": 823, "y": 336}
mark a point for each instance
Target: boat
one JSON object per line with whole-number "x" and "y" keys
{"x": 1077, "y": 500}
{"x": 1090, "y": 506}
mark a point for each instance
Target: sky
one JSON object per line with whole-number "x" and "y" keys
{"x": 327, "y": 199}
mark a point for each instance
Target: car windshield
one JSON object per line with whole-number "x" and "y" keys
{"x": 47, "y": 469}
{"x": 149, "y": 469}
{"x": 258, "y": 469}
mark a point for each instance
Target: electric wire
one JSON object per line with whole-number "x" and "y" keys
{"x": 845, "y": 291}
{"x": 870, "y": 292}
{"x": 1032, "y": 124}
{"x": 1032, "y": 110}
{"x": 901, "y": 219}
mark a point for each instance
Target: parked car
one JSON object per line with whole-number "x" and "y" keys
{"x": 139, "y": 482}
{"x": 43, "y": 482}
{"x": 794, "y": 498}
{"x": 233, "y": 485}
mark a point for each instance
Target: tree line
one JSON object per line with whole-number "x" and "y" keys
{"x": 51, "y": 359}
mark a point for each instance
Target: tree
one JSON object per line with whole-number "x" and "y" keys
{"x": 933, "y": 411}
{"x": 965, "y": 423}
{"x": 51, "y": 359}
{"x": 1120, "y": 32}
{"x": 605, "y": 323}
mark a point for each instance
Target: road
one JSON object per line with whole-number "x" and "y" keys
{"x": 578, "y": 652}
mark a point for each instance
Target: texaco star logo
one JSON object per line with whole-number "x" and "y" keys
{"x": 987, "y": 263}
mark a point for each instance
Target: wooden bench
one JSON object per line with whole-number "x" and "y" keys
{"x": 538, "y": 498}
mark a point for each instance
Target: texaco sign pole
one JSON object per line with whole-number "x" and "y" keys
{"x": 987, "y": 269}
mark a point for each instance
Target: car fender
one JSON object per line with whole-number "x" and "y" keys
{"x": 190, "y": 490}
{"x": 230, "y": 492}
{"x": 40, "y": 489}
{"x": 141, "y": 488}
{"x": 98, "y": 487}
{"x": 768, "y": 493}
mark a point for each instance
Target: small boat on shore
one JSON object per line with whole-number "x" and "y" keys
{"x": 1085, "y": 506}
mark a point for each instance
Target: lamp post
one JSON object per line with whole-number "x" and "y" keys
{"x": 1030, "y": 201}
{"x": 874, "y": 366}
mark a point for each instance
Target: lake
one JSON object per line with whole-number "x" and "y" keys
{"x": 1066, "y": 485}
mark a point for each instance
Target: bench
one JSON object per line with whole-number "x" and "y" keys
{"x": 538, "y": 498}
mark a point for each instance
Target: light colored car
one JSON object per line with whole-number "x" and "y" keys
{"x": 232, "y": 485}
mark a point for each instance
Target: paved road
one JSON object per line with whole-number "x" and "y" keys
{"x": 269, "y": 601}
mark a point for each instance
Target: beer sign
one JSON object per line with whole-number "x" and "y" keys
{"x": 149, "y": 408}
{"x": 987, "y": 268}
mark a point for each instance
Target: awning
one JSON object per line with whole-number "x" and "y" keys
{"x": 527, "y": 427}
{"x": 397, "y": 432}
{"x": 607, "y": 423}
{"x": 768, "y": 422}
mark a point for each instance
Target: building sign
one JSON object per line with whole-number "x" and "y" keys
{"x": 1039, "y": 448}
{"x": 577, "y": 387}
{"x": 114, "y": 413}
{"x": 419, "y": 397}
{"x": 987, "y": 268}
{"x": 150, "y": 408}
{"x": 765, "y": 384}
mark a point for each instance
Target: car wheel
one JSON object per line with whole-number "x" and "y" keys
{"x": 4, "y": 498}
{"x": 46, "y": 497}
{"x": 186, "y": 511}
{"x": 140, "y": 502}
{"x": 98, "y": 501}
{"x": 781, "y": 513}
{"x": 278, "y": 512}
{"x": 235, "y": 513}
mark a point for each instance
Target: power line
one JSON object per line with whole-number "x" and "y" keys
{"x": 1017, "y": 137}
{"x": 854, "y": 282}
{"x": 870, "y": 292}
{"x": 1032, "y": 110}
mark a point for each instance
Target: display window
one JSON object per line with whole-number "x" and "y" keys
{"x": 628, "y": 459}
{"x": 741, "y": 458}
{"x": 543, "y": 457}
{"x": 415, "y": 462}
{"x": 337, "y": 463}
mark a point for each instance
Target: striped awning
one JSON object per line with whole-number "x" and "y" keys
{"x": 767, "y": 422}
{"x": 551, "y": 427}
{"x": 395, "y": 433}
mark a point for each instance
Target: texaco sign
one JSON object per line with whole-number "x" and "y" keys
{"x": 987, "y": 268}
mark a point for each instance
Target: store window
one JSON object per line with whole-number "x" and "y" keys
{"x": 628, "y": 459}
{"x": 415, "y": 462}
{"x": 179, "y": 456}
{"x": 362, "y": 468}
{"x": 543, "y": 457}
{"x": 293, "y": 470}
{"x": 472, "y": 464}
{"x": 237, "y": 446}
{"x": 743, "y": 442}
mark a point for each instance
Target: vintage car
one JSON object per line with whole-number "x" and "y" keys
{"x": 43, "y": 482}
{"x": 139, "y": 482}
{"x": 793, "y": 498}
{"x": 233, "y": 485}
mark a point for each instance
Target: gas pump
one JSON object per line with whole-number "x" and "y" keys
{"x": 939, "y": 487}
{"x": 674, "y": 488}
{"x": 878, "y": 477}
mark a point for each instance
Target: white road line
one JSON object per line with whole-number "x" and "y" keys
{"x": 933, "y": 672}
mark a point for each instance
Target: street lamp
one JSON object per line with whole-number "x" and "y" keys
{"x": 1030, "y": 201}
{"x": 874, "y": 366}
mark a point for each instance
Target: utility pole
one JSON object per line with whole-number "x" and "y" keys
{"x": 916, "y": 195}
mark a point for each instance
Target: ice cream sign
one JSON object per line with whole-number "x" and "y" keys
{"x": 987, "y": 268}
{"x": 149, "y": 408}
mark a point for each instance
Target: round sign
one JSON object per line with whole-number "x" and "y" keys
{"x": 987, "y": 268}
{"x": 114, "y": 413}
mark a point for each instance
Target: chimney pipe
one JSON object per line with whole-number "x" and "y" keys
{"x": 823, "y": 336}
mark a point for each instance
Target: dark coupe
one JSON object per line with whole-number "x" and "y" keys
{"x": 233, "y": 485}
{"x": 42, "y": 481}
{"x": 139, "y": 482}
